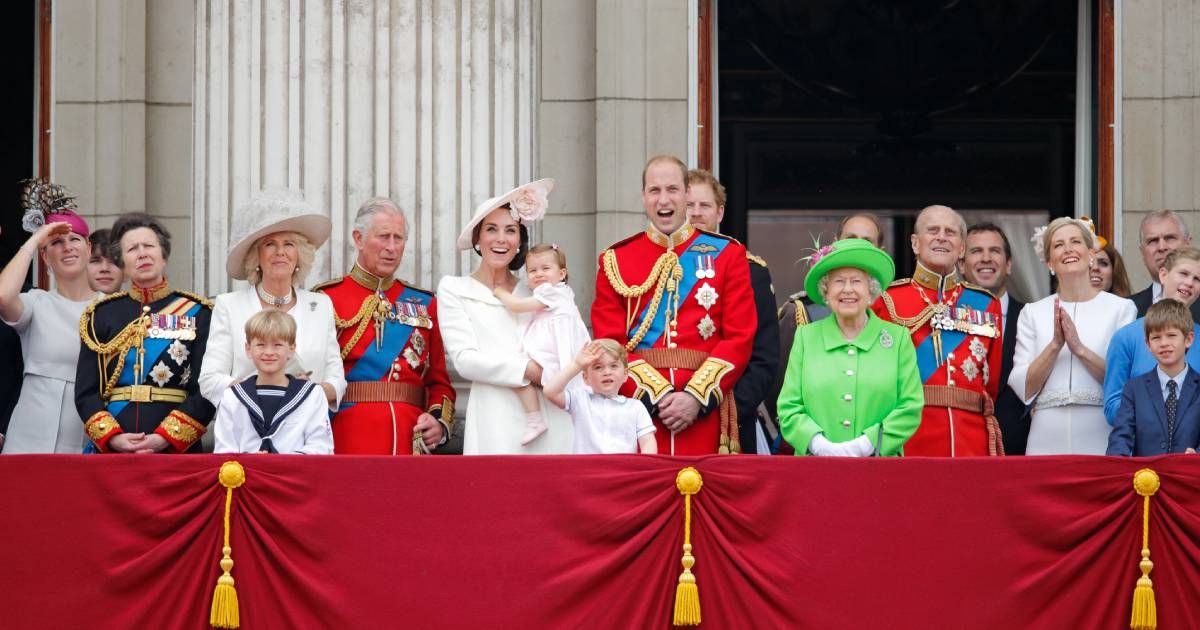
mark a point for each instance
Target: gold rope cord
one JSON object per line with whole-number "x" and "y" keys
{"x": 360, "y": 318}
{"x": 665, "y": 269}
{"x": 134, "y": 333}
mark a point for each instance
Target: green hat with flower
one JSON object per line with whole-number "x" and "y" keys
{"x": 850, "y": 252}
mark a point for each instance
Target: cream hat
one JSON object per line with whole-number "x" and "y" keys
{"x": 528, "y": 202}
{"x": 268, "y": 212}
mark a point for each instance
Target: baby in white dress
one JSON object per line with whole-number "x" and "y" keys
{"x": 555, "y": 334}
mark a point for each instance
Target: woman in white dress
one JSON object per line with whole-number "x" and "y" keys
{"x": 274, "y": 240}
{"x": 481, "y": 336}
{"x": 1062, "y": 340}
{"x": 45, "y": 419}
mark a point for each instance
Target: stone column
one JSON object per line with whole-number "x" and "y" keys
{"x": 428, "y": 102}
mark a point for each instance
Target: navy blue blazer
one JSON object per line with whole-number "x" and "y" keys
{"x": 1140, "y": 428}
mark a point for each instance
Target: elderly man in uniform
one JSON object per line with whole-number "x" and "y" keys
{"x": 955, "y": 328}
{"x": 398, "y": 399}
{"x": 680, "y": 300}
{"x": 705, "y": 209}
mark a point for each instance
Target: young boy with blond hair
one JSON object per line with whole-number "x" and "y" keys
{"x": 605, "y": 421}
{"x": 272, "y": 412}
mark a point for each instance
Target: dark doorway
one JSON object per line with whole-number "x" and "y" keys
{"x": 826, "y": 107}
{"x": 16, "y": 135}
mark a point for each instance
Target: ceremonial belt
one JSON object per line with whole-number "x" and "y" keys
{"x": 690, "y": 359}
{"x": 384, "y": 391}
{"x": 147, "y": 393}
{"x": 673, "y": 358}
{"x": 967, "y": 400}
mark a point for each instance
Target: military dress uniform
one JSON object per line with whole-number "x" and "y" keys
{"x": 756, "y": 383}
{"x": 395, "y": 364}
{"x": 682, "y": 305}
{"x": 956, "y": 328}
{"x": 138, "y": 366}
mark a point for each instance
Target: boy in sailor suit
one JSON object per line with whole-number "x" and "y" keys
{"x": 272, "y": 412}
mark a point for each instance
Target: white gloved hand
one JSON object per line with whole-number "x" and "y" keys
{"x": 862, "y": 446}
{"x": 820, "y": 445}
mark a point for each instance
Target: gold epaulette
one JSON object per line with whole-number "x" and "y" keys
{"x": 196, "y": 297}
{"x": 898, "y": 282}
{"x": 758, "y": 260}
{"x": 801, "y": 313}
{"x": 976, "y": 287}
{"x": 328, "y": 283}
{"x": 104, "y": 299}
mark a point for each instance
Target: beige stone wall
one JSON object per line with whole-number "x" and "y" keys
{"x": 122, "y": 112}
{"x": 613, "y": 91}
{"x": 1160, "y": 117}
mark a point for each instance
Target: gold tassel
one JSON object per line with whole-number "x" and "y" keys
{"x": 687, "y": 595}
{"x": 225, "y": 600}
{"x": 1144, "y": 615}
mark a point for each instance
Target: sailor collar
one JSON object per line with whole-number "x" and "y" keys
{"x": 930, "y": 280}
{"x": 149, "y": 295}
{"x": 672, "y": 240}
{"x": 369, "y": 280}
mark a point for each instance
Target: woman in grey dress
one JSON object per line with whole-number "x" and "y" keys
{"x": 45, "y": 419}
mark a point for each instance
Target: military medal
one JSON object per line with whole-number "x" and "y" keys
{"x": 706, "y": 296}
{"x": 413, "y": 359}
{"x": 418, "y": 342}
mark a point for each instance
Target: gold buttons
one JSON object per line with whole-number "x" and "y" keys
{"x": 672, "y": 345}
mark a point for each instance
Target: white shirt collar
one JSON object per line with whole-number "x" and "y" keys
{"x": 1004, "y": 306}
{"x": 1163, "y": 378}
{"x": 1156, "y": 291}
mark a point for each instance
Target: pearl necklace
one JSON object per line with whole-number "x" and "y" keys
{"x": 271, "y": 300}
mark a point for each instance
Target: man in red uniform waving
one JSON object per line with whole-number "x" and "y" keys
{"x": 955, "y": 328}
{"x": 679, "y": 298}
{"x": 398, "y": 399}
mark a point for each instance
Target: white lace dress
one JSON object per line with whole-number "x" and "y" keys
{"x": 554, "y": 336}
{"x": 1068, "y": 412}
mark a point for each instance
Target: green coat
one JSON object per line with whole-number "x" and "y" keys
{"x": 844, "y": 389}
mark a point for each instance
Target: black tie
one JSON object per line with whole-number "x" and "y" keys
{"x": 1172, "y": 410}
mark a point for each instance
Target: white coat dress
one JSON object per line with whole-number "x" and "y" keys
{"x": 317, "y": 349}
{"x": 482, "y": 341}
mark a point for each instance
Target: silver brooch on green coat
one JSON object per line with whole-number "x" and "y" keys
{"x": 885, "y": 340}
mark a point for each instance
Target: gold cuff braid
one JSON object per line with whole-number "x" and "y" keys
{"x": 649, "y": 380}
{"x": 100, "y": 424}
{"x": 182, "y": 428}
{"x": 707, "y": 380}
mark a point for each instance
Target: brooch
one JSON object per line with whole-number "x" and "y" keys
{"x": 885, "y": 340}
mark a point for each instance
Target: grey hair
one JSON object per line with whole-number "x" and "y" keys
{"x": 1058, "y": 224}
{"x": 305, "y": 251}
{"x": 962, "y": 223}
{"x": 1162, "y": 214}
{"x": 373, "y": 206}
{"x": 873, "y": 287}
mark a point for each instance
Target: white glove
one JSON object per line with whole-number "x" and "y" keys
{"x": 862, "y": 446}
{"x": 819, "y": 445}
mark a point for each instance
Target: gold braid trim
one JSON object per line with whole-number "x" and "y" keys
{"x": 361, "y": 319}
{"x": 911, "y": 323}
{"x": 665, "y": 269}
{"x": 134, "y": 333}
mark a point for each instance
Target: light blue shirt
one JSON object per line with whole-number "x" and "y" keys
{"x": 1163, "y": 379}
{"x": 1128, "y": 356}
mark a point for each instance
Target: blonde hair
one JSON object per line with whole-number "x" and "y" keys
{"x": 559, "y": 256}
{"x": 614, "y": 349}
{"x": 1168, "y": 313}
{"x": 305, "y": 251}
{"x": 1183, "y": 253}
{"x": 271, "y": 325}
{"x": 1059, "y": 223}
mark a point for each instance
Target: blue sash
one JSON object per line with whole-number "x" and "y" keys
{"x": 688, "y": 262}
{"x": 927, "y": 362}
{"x": 375, "y": 363}
{"x": 155, "y": 348}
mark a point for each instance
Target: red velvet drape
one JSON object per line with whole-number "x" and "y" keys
{"x": 556, "y": 542}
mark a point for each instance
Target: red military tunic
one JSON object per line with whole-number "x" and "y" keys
{"x": 956, "y": 329}
{"x": 684, "y": 307}
{"x": 393, "y": 380}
